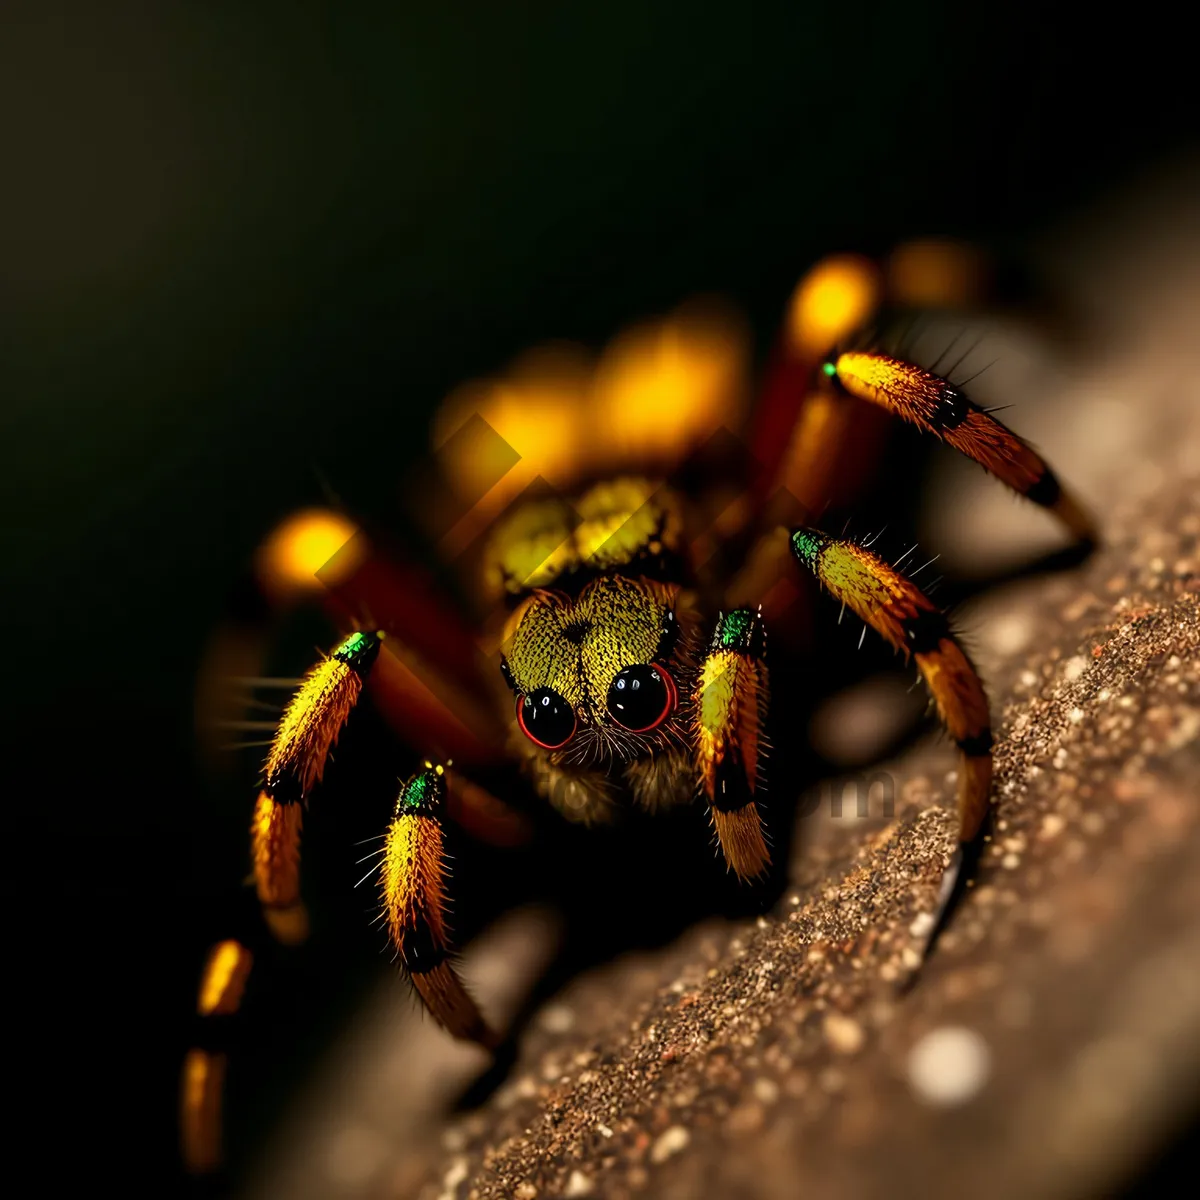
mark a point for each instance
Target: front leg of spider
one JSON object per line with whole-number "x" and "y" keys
{"x": 413, "y": 890}
{"x": 729, "y": 707}
{"x": 295, "y": 765}
{"x": 907, "y": 619}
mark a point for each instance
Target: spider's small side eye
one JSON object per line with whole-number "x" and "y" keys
{"x": 669, "y": 635}
{"x": 546, "y": 719}
{"x": 641, "y": 697}
{"x": 506, "y": 671}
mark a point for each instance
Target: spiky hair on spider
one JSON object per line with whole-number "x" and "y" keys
{"x": 616, "y": 545}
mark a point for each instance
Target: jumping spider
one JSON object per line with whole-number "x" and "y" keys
{"x": 626, "y": 621}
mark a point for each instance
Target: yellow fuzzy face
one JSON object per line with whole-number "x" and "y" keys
{"x": 578, "y": 647}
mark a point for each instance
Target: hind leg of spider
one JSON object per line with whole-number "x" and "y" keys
{"x": 413, "y": 890}
{"x": 299, "y": 752}
{"x": 729, "y": 706}
{"x": 905, "y": 617}
{"x": 218, "y": 1000}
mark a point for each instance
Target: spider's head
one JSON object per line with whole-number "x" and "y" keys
{"x": 593, "y": 674}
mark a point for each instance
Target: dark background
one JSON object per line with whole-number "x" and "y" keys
{"x": 244, "y": 244}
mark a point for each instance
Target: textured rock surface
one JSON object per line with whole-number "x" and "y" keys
{"x": 1054, "y": 1039}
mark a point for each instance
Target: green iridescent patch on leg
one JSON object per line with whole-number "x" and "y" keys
{"x": 359, "y": 651}
{"x": 422, "y": 795}
{"x": 740, "y": 631}
{"x": 807, "y": 545}
{"x": 734, "y": 628}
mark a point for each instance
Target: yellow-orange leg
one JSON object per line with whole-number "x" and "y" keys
{"x": 935, "y": 406}
{"x": 413, "y": 891}
{"x": 816, "y": 449}
{"x": 906, "y": 618}
{"x": 219, "y": 997}
{"x": 307, "y": 732}
{"x": 729, "y": 705}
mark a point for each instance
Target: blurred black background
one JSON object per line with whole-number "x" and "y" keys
{"x": 244, "y": 244}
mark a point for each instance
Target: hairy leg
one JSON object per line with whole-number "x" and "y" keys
{"x": 935, "y": 406}
{"x": 413, "y": 888}
{"x": 307, "y": 732}
{"x": 905, "y": 617}
{"x": 729, "y": 705}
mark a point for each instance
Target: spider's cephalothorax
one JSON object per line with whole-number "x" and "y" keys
{"x": 622, "y": 693}
{"x": 635, "y": 679}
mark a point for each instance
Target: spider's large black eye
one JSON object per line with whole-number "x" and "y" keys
{"x": 641, "y": 697}
{"x": 546, "y": 718}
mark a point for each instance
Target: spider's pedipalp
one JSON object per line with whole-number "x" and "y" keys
{"x": 728, "y": 709}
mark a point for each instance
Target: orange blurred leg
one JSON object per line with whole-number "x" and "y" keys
{"x": 220, "y": 996}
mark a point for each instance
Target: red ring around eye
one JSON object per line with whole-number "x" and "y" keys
{"x": 673, "y": 702}
{"x": 557, "y": 726}
{"x": 670, "y": 700}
